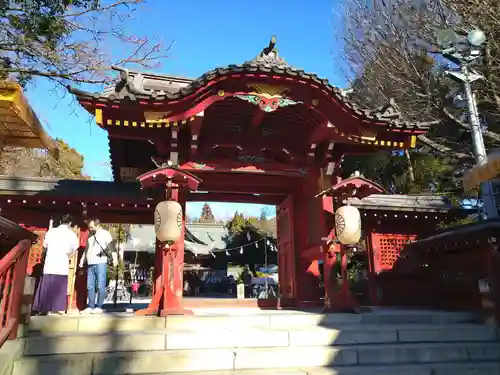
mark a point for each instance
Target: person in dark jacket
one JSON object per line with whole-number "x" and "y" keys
{"x": 247, "y": 281}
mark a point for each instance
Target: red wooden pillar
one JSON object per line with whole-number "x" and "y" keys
{"x": 286, "y": 253}
{"x": 309, "y": 230}
{"x": 173, "y": 269}
{"x": 169, "y": 260}
{"x": 372, "y": 273}
{"x": 330, "y": 258}
{"x": 169, "y": 269}
{"x": 344, "y": 299}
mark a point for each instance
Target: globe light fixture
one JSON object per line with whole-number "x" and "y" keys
{"x": 476, "y": 38}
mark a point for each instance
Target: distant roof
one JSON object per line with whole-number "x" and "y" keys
{"x": 202, "y": 238}
{"x": 416, "y": 203}
{"x": 69, "y": 188}
{"x": 199, "y": 238}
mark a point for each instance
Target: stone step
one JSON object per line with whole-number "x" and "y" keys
{"x": 478, "y": 368}
{"x": 250, "y": 337}
{"x": 124, "y": 322}
{"x": 119, "y": 363}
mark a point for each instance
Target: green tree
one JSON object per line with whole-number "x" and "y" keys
{"x": 429, "y": 173}
{"x": 237, "y": 223}
{"x": 66, "y": 40}
{"x": 255, "y": 238}
{"x": 120, "y": 234}
{"x": 24, "y": 162}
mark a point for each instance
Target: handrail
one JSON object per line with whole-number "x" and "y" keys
{"x": 12, "y": 276}
{"x": 13, "y": 230}
{"x": 12, "y": 256}
{"x": 11, "y": 289}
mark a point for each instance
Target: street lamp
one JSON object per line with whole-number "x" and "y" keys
{"x": 464, "y": 50}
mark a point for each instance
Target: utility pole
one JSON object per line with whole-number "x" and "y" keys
{"x": 464, "y": 50}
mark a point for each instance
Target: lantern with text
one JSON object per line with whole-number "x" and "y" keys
{"x": 168, "y": 221}
{"x": 348, "y": 225}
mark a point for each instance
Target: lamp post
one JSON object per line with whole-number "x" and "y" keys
{"x": 465, "y": 50}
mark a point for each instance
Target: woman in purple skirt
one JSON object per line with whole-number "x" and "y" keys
{"x": 60, "y": 244}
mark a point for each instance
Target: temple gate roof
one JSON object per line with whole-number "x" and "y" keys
{"x": 135, "y": 85}
{"x": 262, "y": 111}
{"x": 19, "y": 124}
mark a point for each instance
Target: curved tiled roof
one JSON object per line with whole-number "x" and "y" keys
{"x": 198, "y": 238}
{"x": 19, "y": 124}
{"x": 134, "y": 85}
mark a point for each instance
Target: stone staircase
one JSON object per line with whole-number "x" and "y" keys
{"x": 292, "y": 343}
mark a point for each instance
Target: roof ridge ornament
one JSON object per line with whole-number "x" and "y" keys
{"x": 269, "y": 56}
{"x": 389, "y": 110}
{"x": 132, "y": 85}
{"x": 270, "y": 48}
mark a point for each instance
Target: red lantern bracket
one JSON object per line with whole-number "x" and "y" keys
{"x": 177, "y": 178}
{"x": 355, "y": 186}
{"x": 169, "y": 260}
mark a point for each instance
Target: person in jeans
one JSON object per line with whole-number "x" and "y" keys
{"x": 96, "y": 255}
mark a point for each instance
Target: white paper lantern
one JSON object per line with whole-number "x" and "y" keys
{"x": 168, "y": 221}
{"x": 348, "y": 225}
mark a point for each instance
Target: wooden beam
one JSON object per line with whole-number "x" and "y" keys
{"x": 257, "y": 117}
{"x": 329, "y": 153}
{"x": 235, "y": 198}
{"x": 321, "y": 132}
{"x": 219, "y": 166}
{"x": 174, "y": 147}
{"x": 195, "y": 127}
{"x": 311, "y": 152}
{"x": 161, "y": 146}
{"x": 294, "y": 145}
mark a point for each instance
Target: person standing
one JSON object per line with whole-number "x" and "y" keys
{"x": 60, "y": 244}
{"x": 97, "y": 255}
{"x": 247, "y": 281}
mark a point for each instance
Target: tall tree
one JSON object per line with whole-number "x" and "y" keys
{"x": 70, "y": 40}
{"x": 253, "y": 236}
{"x": 24, "y": 162}
{"x": 388, "y": 45}
{"x": 265, "y": 213}
{"x": 236, "y": 224}
{"x": 206, "y": 214}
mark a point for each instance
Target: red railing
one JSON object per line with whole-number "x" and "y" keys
{"x": 15, "y": 243}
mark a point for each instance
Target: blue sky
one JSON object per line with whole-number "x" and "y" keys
{"x": 205, "y": 34}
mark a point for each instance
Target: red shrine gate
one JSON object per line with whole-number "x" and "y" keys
{"x": 262, "y": 132}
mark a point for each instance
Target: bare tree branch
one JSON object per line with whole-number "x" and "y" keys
{"x": 387, "y": 44}
{"x": 75, "y": 43}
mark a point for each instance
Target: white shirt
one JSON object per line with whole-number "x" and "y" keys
{"x": 96, "y": 243}
{"x": 61, "y": 243}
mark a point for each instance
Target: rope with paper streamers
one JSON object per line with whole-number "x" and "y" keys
{"x": 265, "y": 240}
